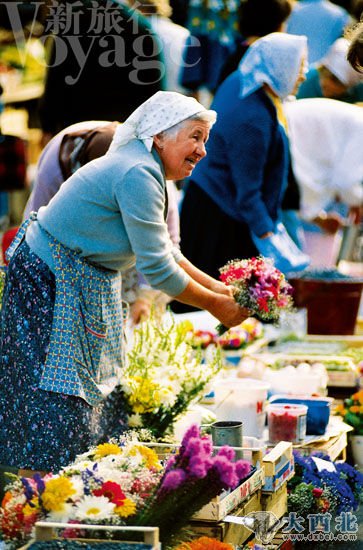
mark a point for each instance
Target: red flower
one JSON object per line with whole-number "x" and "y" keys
{"x": 112, "y": 491}
{"x": 262, "y": 304}
{"x": 317, "y": 492}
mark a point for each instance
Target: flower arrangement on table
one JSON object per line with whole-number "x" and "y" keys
{"x": 164, "y": 375}
{"x": 352, "y": 412}
{"x": 109, "y": 484}
{"x": 259, "y": 286}
{"x": 235, "y": 338}
{"x": 123, "y": 484}
{"x": 313, "y": 490}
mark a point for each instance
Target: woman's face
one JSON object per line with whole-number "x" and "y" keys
{"x": 330, "y": 85}
{"x": 181, "y": 154}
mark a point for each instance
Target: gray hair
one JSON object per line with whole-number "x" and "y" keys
{"x": 204, "y": 116}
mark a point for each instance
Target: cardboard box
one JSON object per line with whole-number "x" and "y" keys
{"x": 278, "y": 465}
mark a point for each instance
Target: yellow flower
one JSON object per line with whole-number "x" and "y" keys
{"x": 106, "y": 449}
{"x": 354, "y": 409}
{"x": 150, "y": 456}
{"x": 30, "y": 510}
{"x": 341, "y": 410}
{"x": 128, "y": 508}
{"x": 57, "y": 491}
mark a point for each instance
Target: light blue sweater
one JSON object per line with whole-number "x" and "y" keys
{"x": 111, "y": 211}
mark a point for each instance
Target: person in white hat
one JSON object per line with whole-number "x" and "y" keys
{"x": 333, "y": 77}
{"x": 62, "y": 317}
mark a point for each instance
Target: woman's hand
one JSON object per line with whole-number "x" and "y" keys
{"x": 221, "y": 288}
{"x": 227, "y": 311}
{"x": 140, "y": 310}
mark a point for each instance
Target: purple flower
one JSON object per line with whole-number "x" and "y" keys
{"x": 207, "y": 444}
{"x": 226, "y": 451}
{"x": 198, "y": 467}
{"x": 226, "y": 471}
{"x": 193, "y": 431}
{"x": 243, "y": 468}
{"x": 173, "y": 480}
{"x": 194, "y": 447}
{"x": 170, "y": 463}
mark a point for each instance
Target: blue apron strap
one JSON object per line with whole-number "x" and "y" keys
{"x": 19, "y": 236}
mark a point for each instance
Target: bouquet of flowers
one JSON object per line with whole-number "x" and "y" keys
{"x": 164, "y": 375}
{"x": 258, "y": 286}
{"x": 110, "y": 484}
{"x": 122, "y": 483}
{"x": 313, "y": 490}
{"x": 352, "y": 412}
{"x": 191, "y": 479}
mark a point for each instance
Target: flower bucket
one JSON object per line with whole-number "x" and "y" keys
{"x": 242, "y": 399}
{"x": 356, "y": 445}
{"x": 332, "y": 306}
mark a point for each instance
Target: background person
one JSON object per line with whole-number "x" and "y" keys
{"x": 238, "y": 188}
{"x": 355, "y": 50}
{"x": 326, "y": 139}
{"x": 333, "y": 77}
{"x": 256, "y": 18}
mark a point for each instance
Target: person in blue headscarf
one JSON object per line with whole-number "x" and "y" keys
{"x": 238, "y": 189}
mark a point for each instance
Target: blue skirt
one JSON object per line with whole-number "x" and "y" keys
{"x": 40, "y": 430}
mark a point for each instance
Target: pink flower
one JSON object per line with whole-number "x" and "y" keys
{"x": 243, "y": 468}
{"x": 173, "y": 480}
{"x": 226, "y": 451}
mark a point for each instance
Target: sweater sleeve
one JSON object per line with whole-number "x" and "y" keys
{"x": 247, "y": 159}
{"x": 141, "y": 199}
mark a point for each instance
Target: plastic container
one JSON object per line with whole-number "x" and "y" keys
{"x": 318, "y": 410}
{"x": 286, "y": 422}
{"x": 332, "y": 305}
{"x": 289, "y": 379}
{"x": 242, "y": 399}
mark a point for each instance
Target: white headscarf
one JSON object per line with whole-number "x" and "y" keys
{"x": 160, "y": 112}
{"x": 326, "y": 138}
{"x": 336, "y": 62}
{"x": 275, "y": 60}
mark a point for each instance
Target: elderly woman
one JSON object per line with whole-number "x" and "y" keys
{"x": 237, "y": 190}
{"x": 65, "y": 153}
{"x": 62, "y": 320}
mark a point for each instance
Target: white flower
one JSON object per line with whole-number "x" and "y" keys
{"x": 62, "y": 516}
{"x": 135, "y": 420}
{"x": 94, "y": 508}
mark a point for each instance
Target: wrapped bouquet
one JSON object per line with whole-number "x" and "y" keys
{"x": 258, "y": 286}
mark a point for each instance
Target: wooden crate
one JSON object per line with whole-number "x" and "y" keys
{"x": 275, "y": 502}
{"x": 221, "y": 505}
{"x": 278, "y": 465}
{"x": 229, "y": 532}
{"x": 47, "y": 531}
{"x": 335, "y": 447}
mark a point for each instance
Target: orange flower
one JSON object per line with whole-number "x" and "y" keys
{"x": 354, "y": 409}
{"x": 205, "y": 543}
